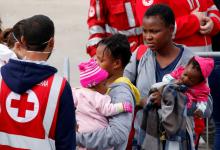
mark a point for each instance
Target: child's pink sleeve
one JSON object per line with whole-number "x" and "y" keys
{"x": 105, "y": 107}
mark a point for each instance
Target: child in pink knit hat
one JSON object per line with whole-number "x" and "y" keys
{"x": 92, "y": 106}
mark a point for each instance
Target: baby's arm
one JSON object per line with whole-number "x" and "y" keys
{"x": 105, "y": 107}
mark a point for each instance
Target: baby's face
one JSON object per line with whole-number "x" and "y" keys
{"x": 190, "y": 76}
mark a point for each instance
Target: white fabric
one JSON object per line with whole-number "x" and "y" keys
{"x": 52, "y": 102}
{"x": 5, "y": 54}
{"x": 130, "y": 14}
{"x": 131, "y": 32}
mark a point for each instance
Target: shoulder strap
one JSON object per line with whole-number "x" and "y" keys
{"x": 55, "y": 90}
{"x": 140, "y": 51}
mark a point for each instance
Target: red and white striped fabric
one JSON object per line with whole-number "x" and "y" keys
{"x": 108, "y": 17}
{"x": 187, "y": 26}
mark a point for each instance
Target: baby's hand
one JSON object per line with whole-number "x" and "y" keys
{"x": 178, "y": 82}
{"x": 198, "y": 113}
{"x": 127, "y": 107}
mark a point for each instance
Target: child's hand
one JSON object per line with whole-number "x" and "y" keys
{"x": 143, "y": 102}
{"x": 156, "y": 98}
{"x": 127, "y": 107}
{"x": 198, "y": 113}
{"x": 178, "y": 82}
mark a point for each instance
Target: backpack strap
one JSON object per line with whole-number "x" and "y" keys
{"x": 140, "y": 52}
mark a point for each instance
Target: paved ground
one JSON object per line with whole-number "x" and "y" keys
{"x": 69, "y": 17}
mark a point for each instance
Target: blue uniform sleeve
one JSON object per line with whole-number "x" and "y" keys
{"x": 65, "y": 135}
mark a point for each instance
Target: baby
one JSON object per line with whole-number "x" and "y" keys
{"x": 194, "y": 75}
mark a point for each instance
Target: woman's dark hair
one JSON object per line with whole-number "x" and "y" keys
{"x": 163, "y": 11}
{"x": 8, "y": 38}
{"x": 119, "y": 47}
{"x": 16, "y": 33}
{"x": 36, "y": 30}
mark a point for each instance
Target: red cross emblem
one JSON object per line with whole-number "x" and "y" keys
{"x": 147, "y": 2}
{"x": 24, "y": 107}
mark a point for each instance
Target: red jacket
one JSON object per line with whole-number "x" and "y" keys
{"x": 187, "y": 25}
{"x": 28, "y": 120}
{"x": 143, "y": 5}
{"x": 108, "y": 17}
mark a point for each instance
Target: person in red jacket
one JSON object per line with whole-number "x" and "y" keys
{"x": 108, "y": 17}
{"x": 196, "y": 21}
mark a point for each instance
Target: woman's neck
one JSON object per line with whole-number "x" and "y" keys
{"x": 167, "y": 55}
{"x": 168, "y": 51}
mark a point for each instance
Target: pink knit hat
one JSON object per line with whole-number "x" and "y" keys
{"x": 91, "y": 74}
{"x": 206, "y": 65}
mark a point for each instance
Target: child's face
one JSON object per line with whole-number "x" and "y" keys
{"x": 191, "y": 76}
{"x": 104, "y": 59}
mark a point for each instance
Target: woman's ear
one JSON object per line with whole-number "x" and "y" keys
{"x": 23, "y": 41}
{"x": 17, "y": 46}
{"x": 51, "y": 43}
{"x": 18, "y": 49}
{"x": 172, "y": 29}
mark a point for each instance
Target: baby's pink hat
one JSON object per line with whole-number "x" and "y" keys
{"x": 91, "y": 74}
{"x": 206, "y": 65}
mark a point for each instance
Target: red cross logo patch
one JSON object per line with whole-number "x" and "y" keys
{"x": 147, "y": 2}
{"x": 22, "y": 108}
